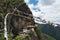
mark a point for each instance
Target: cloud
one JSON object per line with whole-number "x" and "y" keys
{"x": 47, "y": 2}
{"x": 49, "y": 10}
{"x": 52, "y": 11}
{"x": 26, "y": 1}
{"x": 36, "y": 9}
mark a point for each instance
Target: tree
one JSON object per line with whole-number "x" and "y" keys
{"x": 8, "y": 6}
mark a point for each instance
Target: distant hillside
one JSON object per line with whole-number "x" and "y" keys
{"x": 50, "y": 30}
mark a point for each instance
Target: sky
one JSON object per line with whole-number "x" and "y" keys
{"x": 45, "y": 9}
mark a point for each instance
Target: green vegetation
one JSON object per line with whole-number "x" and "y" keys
{"x": 38, "y": 32}
{"x": 1, "y": 37}
{"x": 31, "y": 33}
{"x": 1, "y": 15}
{"x": 47, "y": 37}
{"x": 40, "y": 35}
{"x": 23, "y": 37}
{"x": 43, "y": 36}
{"x": 8, "y": 6}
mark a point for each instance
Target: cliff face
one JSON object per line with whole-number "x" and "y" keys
{"x": 20, "y": 19}
{"x": 25, "y": 19}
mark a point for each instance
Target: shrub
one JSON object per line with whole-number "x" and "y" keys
{"x": 38, "y": 32}
{"x": 2, "y": 37}
{"x": 21, "y": 37}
